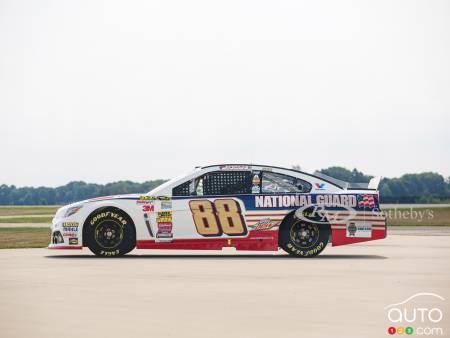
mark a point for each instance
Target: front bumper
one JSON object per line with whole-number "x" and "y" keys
{"x": 66, "y": 234}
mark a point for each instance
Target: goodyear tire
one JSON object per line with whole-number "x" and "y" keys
{"x": 303, "y": 239}
{"x": 110, "y": 233}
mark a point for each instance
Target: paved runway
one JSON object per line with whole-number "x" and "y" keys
{"x": 342, "y": 293}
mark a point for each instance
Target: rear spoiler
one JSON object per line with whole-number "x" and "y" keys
{"x": 372, "y": 185}
{"x": 375, "y": 182}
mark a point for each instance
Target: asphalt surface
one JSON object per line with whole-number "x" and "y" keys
{"x": 342, "y": 293}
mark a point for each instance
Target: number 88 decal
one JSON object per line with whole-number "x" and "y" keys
{"x": 221, "y": 217}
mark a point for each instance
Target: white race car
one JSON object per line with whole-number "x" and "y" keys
{"x": 248, "y": 207}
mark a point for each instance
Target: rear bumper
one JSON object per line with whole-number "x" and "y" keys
{"x": 359, "y": 228}
{"x": 339, "y": 236}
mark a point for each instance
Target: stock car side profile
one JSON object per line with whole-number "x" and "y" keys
{"x": 248, "y": 207}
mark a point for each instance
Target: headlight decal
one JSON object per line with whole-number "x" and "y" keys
{"x": 72, "y": 210}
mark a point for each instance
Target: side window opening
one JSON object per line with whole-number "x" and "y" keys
{"x": 227, "y": 182}
{"x": 280, "y": 183}
{"x": 217, "y": 183}
{"x": 182, "y": 189}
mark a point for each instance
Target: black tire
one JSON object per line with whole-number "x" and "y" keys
{"x": 110, "y": 233}
{"x": 303, "y": 239}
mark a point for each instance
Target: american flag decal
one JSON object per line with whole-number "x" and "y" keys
{"x": 366, "y": 201}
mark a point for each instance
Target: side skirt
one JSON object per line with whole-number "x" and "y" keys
{"x": 256, "y": 240}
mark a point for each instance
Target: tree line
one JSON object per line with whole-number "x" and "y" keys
{"x": 71, "y": 192}
{"x": 426, "y": 187}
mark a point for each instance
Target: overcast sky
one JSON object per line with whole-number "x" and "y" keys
{"x": 139, "y": 90}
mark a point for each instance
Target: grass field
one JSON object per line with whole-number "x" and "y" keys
{"x": 27, "y": 214}
{"x": 13, "y": 238}
{"x": 27, "y": 219}
{"x": 28, "y": 210}
{"x": 418, "y": 216}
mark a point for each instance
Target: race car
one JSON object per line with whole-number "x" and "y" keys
{"x": 242, "y": 206}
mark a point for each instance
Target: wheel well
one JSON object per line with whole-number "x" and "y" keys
{"x": 290, "y": 214}
{"x": 108, "y": 208}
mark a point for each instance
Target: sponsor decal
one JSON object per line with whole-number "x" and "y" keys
{"x": 278, "y": 201}
{"x": 351, "y": 229}
{"x": 70, "y": 224}
{"x": 144, "y": 202}
{"x": 110, "y": 253}
{"x": 166, "y": 205}
{"x": 164, "y": 198}
{"x": 154, "y": 198}
{"x": 420, "y": 314}
{"x": 256, "y": 184}
{"x": 69, "y": 234}
{"x": 235, "y": 167}
{"x": 165, "y": 226}
{"x": 164, "y": 230}
{"x": 148, "y": 208}
{"x": 164, "y": 216}
{"x": 359, "y": 230}
{"x": 73, "y": 241}
{"x": 305, "y": 253}
{"x": 256, "y": 180}
{"x": 320, "y": 186}
{"x": 108, "y": 214}
{"x": 57, "y": 238}
{"x": 164, "y": 235}
{"x": 264, "y": 224}
{"x": 69, "y": 229}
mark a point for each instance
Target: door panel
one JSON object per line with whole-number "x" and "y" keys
{"x": 209, "y": 217}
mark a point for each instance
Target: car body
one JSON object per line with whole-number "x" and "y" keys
{"x": 244, "y": 206}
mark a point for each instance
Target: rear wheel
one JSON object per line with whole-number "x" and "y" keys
{"x": 303, "y": 239}
{"x": 110, "y": 233}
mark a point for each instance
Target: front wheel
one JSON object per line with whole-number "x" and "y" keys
{"x": 303, "y": 239}
{"x": 110, "y": 233}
